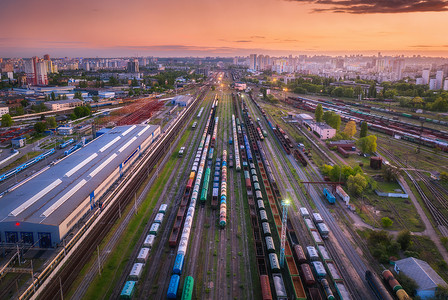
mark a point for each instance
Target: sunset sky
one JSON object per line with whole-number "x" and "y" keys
{"x": 221, "y": 28}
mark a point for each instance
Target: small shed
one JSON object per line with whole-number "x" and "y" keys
{"x": 18, "y": 142}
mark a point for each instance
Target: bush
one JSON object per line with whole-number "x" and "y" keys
{"x": 386, "y": 222}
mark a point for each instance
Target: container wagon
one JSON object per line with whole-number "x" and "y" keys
{"x": 319, "y": 269}
{"x": 323, "y": 230}
{"x": 317, "y": 218}
{"x": 163, "y": 208}
{"x": 275, "y": 266}
{"x": 136, "y": 271}
{"x": 304, "y": 212}
{"x": 128, "y": 290}
{"x": 377, "y": 286}
{"x": 312, "y": 253}
{"x": 154, "y": 228}
{"x": 149, "y": 241}
{"x": 143, "y": 255}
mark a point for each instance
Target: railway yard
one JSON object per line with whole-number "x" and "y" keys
{"x": 228, "y": 201}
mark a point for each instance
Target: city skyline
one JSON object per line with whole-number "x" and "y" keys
{"x": 212, "y": 28}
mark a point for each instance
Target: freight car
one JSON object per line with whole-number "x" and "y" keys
{"x": 329, "y": 196}
{"x": 300, "y": 254}
{"x": 377, "y": 286}
{"x": 187, "y": 291}
{"x": 280, "y": 290}
{"x": 128, "y": 290}
{"x": 307, "y": 274}
{"x": 173, "y": 287}
{"x": 299, "y": 157}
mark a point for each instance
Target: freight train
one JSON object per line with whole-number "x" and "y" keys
{"x": 187, "y": 228}
{"x": 410, "y": 132}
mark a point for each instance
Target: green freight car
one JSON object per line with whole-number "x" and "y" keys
{"x": 187, "y": 291}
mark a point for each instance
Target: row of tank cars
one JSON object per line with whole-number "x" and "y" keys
{"x": 196, "y": 176}
{"x": 137, "y": 269}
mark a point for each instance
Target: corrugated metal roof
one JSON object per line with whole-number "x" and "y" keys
{"x": 51, "y": 196}
{"x": 419, "y": 270}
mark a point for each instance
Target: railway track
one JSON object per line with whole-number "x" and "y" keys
{"x": 68, "y": 271}
{"x": 160, "y": 269}
{"x": 439, "y": 218}
{"x": 352, "y": 255}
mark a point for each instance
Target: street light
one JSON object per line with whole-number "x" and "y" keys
{"x": 285, "y": 205}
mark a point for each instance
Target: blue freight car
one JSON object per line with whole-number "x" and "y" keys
{"x": 178, "y": 263}
{"x": 330, "y": 197}
{"x": 173, "y": 287}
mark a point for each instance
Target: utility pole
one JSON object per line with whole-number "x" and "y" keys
{"x": 285, "y": 205}
{"x": 99, "y": 264}
{"x": 60, "y": 286}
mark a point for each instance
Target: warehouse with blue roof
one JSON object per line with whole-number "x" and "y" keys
{"x": 44, "y": 209}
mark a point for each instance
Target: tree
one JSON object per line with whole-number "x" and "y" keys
{"x": 319, "y": 113}
{"x": 371, "y": 143}
{"x": 367, "y": 144}
{"x": 408, "y": 284}
{"x": 51, "y": 121}
{"x": 357, "y": 184}
{"x": 78, "y": 95}
{"x": 350, "y": 128}
{"x": 40, "y": 127}
{"x": 390, "y": 173}
{"x": 335, "y": 173}
{"x": 113, "y": 81}
{"x": 6, "y": 120}
{"x": 24, "y": 103}
{"x": 404, "y": 239}
{"x": 19, "y": 111}
{"x": 53, "y": 96}
{"x": 386, "y": 222}
{"x": 441, "y": 293}
{"x": 332, "y": 119}
{"x": 364, "y": 128}
{"x": 444, "y": 176}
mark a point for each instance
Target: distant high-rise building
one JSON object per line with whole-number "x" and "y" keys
{"x": 133, "y": 66}
{"x": 36, "y": 71}
{"x": 425, "y": 76}
{"x": 439, "y": 79}
{"x": 419, "y": 81}
{"x": 253, "y": 62}
{"x": 398, "y": 67}
{"x": 433, "y": 84}
{"x": 445, "y": 85}
{"x": 47, "y": 57}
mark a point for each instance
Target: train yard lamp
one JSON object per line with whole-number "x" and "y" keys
{"x": 285, "y": 205}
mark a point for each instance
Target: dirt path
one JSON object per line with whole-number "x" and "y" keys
{"x": 429, "y": 231}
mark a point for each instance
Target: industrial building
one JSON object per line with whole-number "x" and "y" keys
{"x": 63, "y": 104}
{"x": 182, "y": 100}
{"x": 322, "y": 129}
{"x": 421, "y": 272}
{"x": 44, "y": 209}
